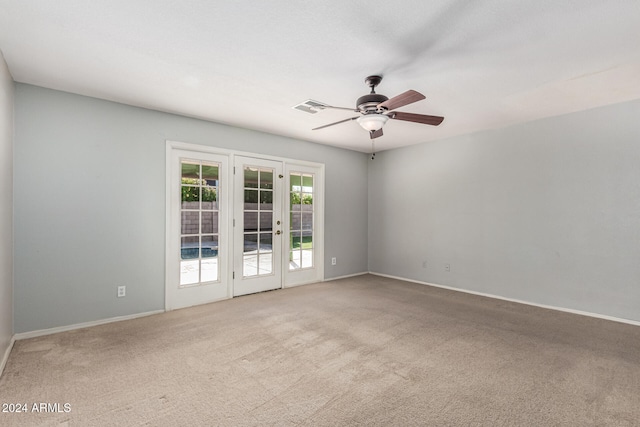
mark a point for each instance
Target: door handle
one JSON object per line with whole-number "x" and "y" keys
{"x": 278, "y": 233}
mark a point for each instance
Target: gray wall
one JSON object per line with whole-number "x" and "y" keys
{"x": 90, "y": 203}
{"x": 547, "y": 212}
{"x": 6, "y": 206}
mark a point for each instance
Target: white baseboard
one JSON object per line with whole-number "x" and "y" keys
{"x": 482, "y": 294}
{"x": 5, "y": 358}
{"x": 346, "y": 276}
{"x": 42, "y": 332}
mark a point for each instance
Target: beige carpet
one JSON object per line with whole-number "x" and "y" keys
{"x": 361, "y": 351}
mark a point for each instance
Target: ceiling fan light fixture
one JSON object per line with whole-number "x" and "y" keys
{"x": 372, "y": 122}
{"x": 376, "y": 109}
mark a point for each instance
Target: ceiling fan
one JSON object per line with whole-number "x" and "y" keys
{"x": 375, "y": 109}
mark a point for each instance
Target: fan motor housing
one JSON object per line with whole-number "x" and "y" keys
{"x": 370, "y": 101}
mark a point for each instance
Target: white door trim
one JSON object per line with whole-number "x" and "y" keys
{"x": 216, "y": 150}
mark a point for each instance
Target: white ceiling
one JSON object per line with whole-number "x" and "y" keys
{"x": 481, "y": 64}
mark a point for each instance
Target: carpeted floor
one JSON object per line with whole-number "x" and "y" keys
{"x": 361, "y": 351}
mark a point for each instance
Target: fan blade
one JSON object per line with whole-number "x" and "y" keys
{"x": 336, "y": 123}
{"x": 375, "y": 133}
{"x": 417, "y": 118}
{"x": 401, "y": 100}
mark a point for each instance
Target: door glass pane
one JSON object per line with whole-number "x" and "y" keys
{"x": 250, "y": 177}
{"x": 251, "y": 199}
{"x": 190, "y": 196}
{"x": 190, "y": 170}
{"x": 307, "y": 258}
{"x": 306, "y": 223}
{"x": 189, "y": 247}
{"x": 209, "y": 269}
{"x": 296, "y": 222}
{"x": 266, "y": 178}
{"x": 295, "y": 202}
{"x": 306, "y": 202}
{"x": 209, "y": 222}
{"x": 294, "y": 260}
{"x": 266, "y": 199}
{"x": 295, "y": 182}
{"x": 199, "y": 222}
{"x": 209, "y": 246}
{"x": 250, "y": 265}
{"x": 266, "y": 221}
{"x": 250, "y": 243}
{"x": 306, "y": 242}
{"x": 210, "y": 174}
{"x": 190, "y": 222}
{"x": 266, "y": 264}
{"x": 266, "y": 242}
{"x": 209, "y": 197}
{"x": 189, "y": 272}
{"x": 307, "y": 183}
{"x": 250, "y": 221}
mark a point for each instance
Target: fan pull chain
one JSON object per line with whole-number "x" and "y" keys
{"x": 373, "y": 150}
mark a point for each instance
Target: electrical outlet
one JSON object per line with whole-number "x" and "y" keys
{"x": 334, "y": 261}
{"x": 122, "y": 291}
{"x": 447, "y": 267}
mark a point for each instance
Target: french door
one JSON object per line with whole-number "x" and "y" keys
{"x": 258, "y": 229}
{"x": 198, "y": 241}
{"x": 239, "y": 223}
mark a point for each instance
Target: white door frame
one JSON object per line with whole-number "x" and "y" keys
{"x": 289, "y": 278}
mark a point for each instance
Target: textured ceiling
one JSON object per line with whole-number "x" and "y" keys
{"x": 481, "y": 64}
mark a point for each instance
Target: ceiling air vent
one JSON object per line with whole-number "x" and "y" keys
{"x": 310, "y": 106}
